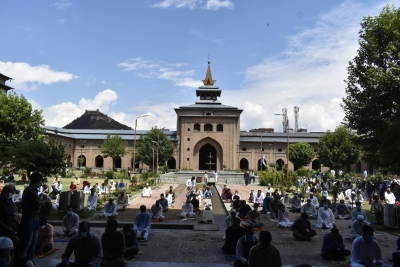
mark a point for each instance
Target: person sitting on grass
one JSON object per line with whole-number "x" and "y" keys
{"x": 187, "y": 210}
{"x": 302, "y": 228}
{"x": 110, "y": 209}
{"x": 251, "y": 196}
{"x": 233, "y": 233}
{"x": 227, "y": 196}
{"x": 103, "y": 189}
{"x": 122, "y": 200}
{"x": 86, "y": 247}
{"x": 359, "y": 211}
{"x": 76, "y": 180}
{"x": 92, "y": 200}
{"x": 274, "y": 206}
{"x": 243, "y": 246}
{"x": 121, "y": 184}
{"x": 333, "y": 247}
{"x": 157, "y": 211}
{"x": 326, "y": 220}
{"x": 163, "y": 202}
{"x": 44, "y": 241}
{"x": 113, "y": 243}
{"x": 309, "y": 209}
{"x": 86, "y": 190}
{"x": 259, "y": 197}
{"x": 356, "y": 228}
{"x": 376, "y": 205}
{"x": 254, "y": 218}
{"x": 85, "y": 183}
{"x": 69, "y": 224}
{"x": 131, "y": 243}
{"x": 266, "y": 204}
{"x": 146, "y": 191}
{"x": 341, "y": 211}
{"x": 283, "y": 217}
{"x": 142, "y": 224}
{"x": 296, "y": 203}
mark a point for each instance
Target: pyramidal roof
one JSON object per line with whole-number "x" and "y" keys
{"x": 94, "y": 119}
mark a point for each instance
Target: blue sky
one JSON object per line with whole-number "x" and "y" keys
{"x": 129, "y": 58}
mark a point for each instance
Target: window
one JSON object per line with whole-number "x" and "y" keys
{"x": 208, "y": 128}
{"x": 279, "y": 149}
{"x": 82, "y": 146}
{"x": 262, "y": 149}
{"x": 244, "y": 149}
{"x": 208, "y": 114}
{"x": 220, "y": 128}
{"x": 197, "y": 127}
{"x": 188, "y": 139}
{"x": 188, "y": 149}
{"x": 188, "y": 129}
{"x": 187, "y": 159}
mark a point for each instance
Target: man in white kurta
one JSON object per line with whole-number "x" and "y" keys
{"x": 314, "y": 200}
{"x": 309, "y": 209}
{"x": 92, "y": 200}
{"x": 325, "y": 217}
{"x": 356, "y": 228}
{"x": 215, "y": 177}
{"x": 142, "y": 224}
{"x": 146, "y": 191}
{"x": 157, "y": 211}
{"x": 283, "y": 217}
{"x": 191, "y": 184}
{"x": 389, "y": 197}
{"x": 366, "y": 250}
{"x": 287, "y": 201}
{"x": 110, "y": 209}
{"x": 187, "y": 210}
{"x": 86, "y": 190}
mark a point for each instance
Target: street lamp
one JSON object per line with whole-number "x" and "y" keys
{"x": 134, "y": 143}
{"x": 287, "y": 131}
{"x": 154, "y": 142}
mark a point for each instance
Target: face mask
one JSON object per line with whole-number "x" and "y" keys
{"x": 325, "y": 206}
{"x": 4, "y": 262}
{"x": 358, "y": 208}
{"x": 43, "y": 226}
{"x": 369, "y": 238}
{"x": 82, "y": 234}
{"x": 69, "y": 213}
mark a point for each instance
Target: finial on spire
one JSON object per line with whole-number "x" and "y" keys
{"x": 208, "y": 81}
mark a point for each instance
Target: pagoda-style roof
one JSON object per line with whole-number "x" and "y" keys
{"x": 208, "y": 81}
{"x": 5, "y": 87}
{"x": 4, "y": 77}
{"x": 94, "y": 119}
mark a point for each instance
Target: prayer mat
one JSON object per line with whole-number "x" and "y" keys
{"x": 61, "y": 238}
{"x": 148, "y": 238}
{"x": 257, "y": 229}
{"x": 47, "y": 253}
{"x": 228, "y": 257}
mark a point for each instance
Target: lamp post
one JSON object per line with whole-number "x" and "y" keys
{"x": 134, "y": 143}
{"x": 287, "y": 150}
{"x": 154, "y": 142}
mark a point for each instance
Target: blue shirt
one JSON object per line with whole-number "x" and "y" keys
{"x": 142, "y": 222}
{"x": 341, "y": 208}
{"x": 328, "y": 245}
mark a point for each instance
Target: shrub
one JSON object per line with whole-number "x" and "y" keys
{"x": 302, "y": 172}
{"x": 62, "y": 173}
{"x": 6, "y": 172}
{"x": 110, "y": 174}
{"x": 84, "y": 176}
{"x": 88, "y": 171}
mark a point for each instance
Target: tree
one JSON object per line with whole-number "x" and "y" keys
{"x": 40, "y": 156}
{"x": 113, "y": 147}
{"x": 300, "y": 154}
{"x": 372, "y": 103}
{"x": 339, "y": 148}
{"x": 18, "y": 123}
{"x": 145, "y": 147}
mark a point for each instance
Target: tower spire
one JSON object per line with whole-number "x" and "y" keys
{"x": 208, "y": 81}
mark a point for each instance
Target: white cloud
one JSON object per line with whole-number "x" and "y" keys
{"x": 308, "y": 74}
{"x": 194, "y": 4}
{"x": 62, "y": 4}
{"x": 149, "y": 69}
{"x": 28, "y": 77}
{"x": 56, "y": 114}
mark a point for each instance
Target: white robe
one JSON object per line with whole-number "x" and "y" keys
{"x": 325, "y": 216}
{"x": 157, "y": 212}
{"x": 86, "y": 190}
{"x": 146, "y": 192}
{"x": 283, "y": 219}
{"x": 92, "y": 201}
{"x": 187, "y": 208}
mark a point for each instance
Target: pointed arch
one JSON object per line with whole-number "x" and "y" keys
{"x": 218, "y": 158}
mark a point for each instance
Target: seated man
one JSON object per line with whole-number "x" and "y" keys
{"x": 86, "y": 190}
{"x": 309, "y": 209}
{"x": 131, "y": 243}
{"x": 244, "y": 209}
{"x": 58, "y": 186}
{"x": 341, "y": 211}
{"x": 8, "y": 225}
{"x": 190, "y": 184}
{"x": 17, "y": 196}
{"x": 121, "y": 184}
{"x": 376, "y": 205}
{"x": 76, "y": 180}
{"x": 187, "y": 210}
{"x": 326, "y": 220}
{"x": 274, "y": 206}
{"x": 110, "y": 209}
{"x": 251, "y": 196}
{"x": 142, "y": 224}
{"x": 325, "y": 200}
{"x": 208, "y": 193}
{"x": 85, "y": 183}
{"x": 264, "y": 254}
{"x": 356, "y": 228}
{"x": 287, "y": 201}
{"x": 266, "y": 202}
{"x": 146, "y": 191}
{"x": 86, "y": 247}
{"x": 233, "y": 233}
{"x": 196, "y": 204}
{"x": 122, "y": 200}
{"x": 157, "y": 211}
{"x": 243, "y": 246}
{"x": 92, "y": 200}
{"x": 259, "y": 197}
{"x": 227, "y": 196}
{"x": 302, "y": 228}
{"x": 366, "y": 250}
{"x": 314, "y": 200}
{"x": 113, "y": 243}
{"x": 54, "y": 192}
{"x": 163, "y": 202}
{"x": 333, "y": 246}
{"x": 254, "y": 218}
{"x": 296, "y": 202}
{"x": 69, "y": 224}
{"x": 103, "y": 189}
{"x": 44, "y": 241}
{"x": 283, "y": 217}
{"x": 172, "y": 193}
{"x": 359, "y": 211}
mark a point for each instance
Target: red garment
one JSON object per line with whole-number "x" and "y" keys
{"x": 72, "y": 187}
{"x": 227, "y": 195}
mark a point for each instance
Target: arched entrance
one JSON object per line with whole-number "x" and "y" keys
{"x": 260, "y": 165}
{"x": 68, "y": 160}
{"x": 171, "y": 164}
{"x": 244, "y": 164}
{"x": 280, "y": 163}
{"x": 99, "y": 161}
{"x": 81, "y": 161}
{"x": 118, "y": 163}
{"x": 204, "y": 154}
{"x": 315, "y": 165}
{"x": 136, "y": 164}
{"x": 358, "y": 167}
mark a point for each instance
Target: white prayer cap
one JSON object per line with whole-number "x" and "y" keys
{"x": 360, "y": 218}
{"x": 147, "y": 183}
{"x": 5, "y": 242}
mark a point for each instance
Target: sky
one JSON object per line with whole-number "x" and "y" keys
{"x": 129, "y": 58}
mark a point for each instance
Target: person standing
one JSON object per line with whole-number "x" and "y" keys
{"x": 246, "y": 177}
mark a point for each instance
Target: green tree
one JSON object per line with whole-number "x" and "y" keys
{"x": 113, "y": 147}
{"x": 373, "y": 83}
{"x": 300, "y": 154}
{"x": 145, "y": 147}
{"x": 339, "y": 148}
{"x": 40, "y": 156}
{"x": 18, "y": 123}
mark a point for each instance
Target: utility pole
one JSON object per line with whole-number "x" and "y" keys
{"x": 134, "y": 143}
